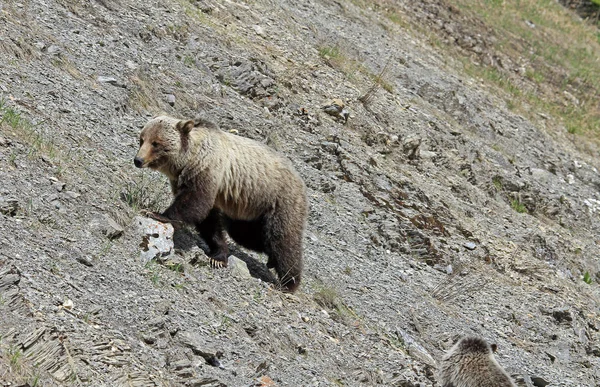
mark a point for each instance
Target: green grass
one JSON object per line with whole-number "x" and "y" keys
{"x": 145, "y": 193}
{"x": 518, "y": 206}
{"x": 587, "y": 278}
{"x": 14, "y": 356}
{"x": 497, "y": 181}
{"x": 189, "y": 61}
{"x": 23, "y": 129}
{"x": 153, "y": 270}
{"x": 561, "y": 53}
{"x": 326, "y": 297}
{"x": 329, "y": 52}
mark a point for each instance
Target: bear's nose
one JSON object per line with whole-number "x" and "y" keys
{"x": 138, "y": 161}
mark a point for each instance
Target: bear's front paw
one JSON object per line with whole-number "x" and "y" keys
{"x": 216, "y": 263}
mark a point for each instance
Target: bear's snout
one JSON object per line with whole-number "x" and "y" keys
{"x": 138, "y": 161}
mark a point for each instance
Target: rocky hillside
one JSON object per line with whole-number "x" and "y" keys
{"x": 439, "y": 208}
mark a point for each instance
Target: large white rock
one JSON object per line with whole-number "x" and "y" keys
{"x": 156, "y": 238}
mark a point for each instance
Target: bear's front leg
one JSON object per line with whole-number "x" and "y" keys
{"x": 213, "y": 233}
{"x": 191, "y": 206}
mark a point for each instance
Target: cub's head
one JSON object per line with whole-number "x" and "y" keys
{"x": 474, "y": 345}
{"x": 161, "y": 140}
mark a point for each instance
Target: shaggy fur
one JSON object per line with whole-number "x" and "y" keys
{"x": 223, "y": 182}
{"x": 471, "y": 363}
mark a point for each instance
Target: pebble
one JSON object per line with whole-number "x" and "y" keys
{"x": 470, "y": 245}
{"x": 171, "y": 99}
{"x": 259, "y": 30}
{"x": 72, "y": 194}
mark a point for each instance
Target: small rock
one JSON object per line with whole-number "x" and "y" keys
{"x": 428, "y": 154}
{"x": 336, "y": 109}
{"x": 204, "y": 382}
{"x": 72, "y": 194}
{"x": 171, "y": 99}
{"x": 68, "y": 304}
{"x": 238, "y": 268}
{"x": 110, "y": 80}
{"x": 203, "y": 6}
{"x": 112, "y": 229}
{"x": 53, "y": 49}
{"x": 104, "y": 79}
{"x": 470, "y": 245}
{"x": 4, "y": 141}
{"x": 265, "y": 381}
{"x": 259, "y": 30}
{"x": 181, "y": 364}
{"x": 415, "y": 349}
{"x": 84, "y": 261}
{"x": 9, "y": 206}
{"x": 149, "y": 339}
{"x": 562, "y": 315}
{"x": 411, "y": 147}
{"x": 195, "y": 343}
{"x": 539, "y": 382}
{"x": 58, "y": 185}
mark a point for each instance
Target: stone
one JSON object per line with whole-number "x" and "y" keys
{"x": 470, "y": 245}
{"x": 110, "y": 80}
{"x": 562, "y": 315}
{"x": 72, "y": 194}
{"x": 238, "y": 268}
{"x": 259, "y": 30}
{"x": 53, "y": 49}
{"x": 112, "y": 229}
{"x": 539, "y": 381}
{"x": 411, "y": 147}
{"x": 171, "y": 99}
{"x": 415, "y": 349}
{"x": 156, "y": 238}
{"x": 9, "y": 206}
{"x": 195, "y": 343}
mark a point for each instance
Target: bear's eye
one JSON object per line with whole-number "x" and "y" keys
{"x": 154, "y": 144}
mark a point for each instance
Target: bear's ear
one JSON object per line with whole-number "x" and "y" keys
{"x": 184, "y": 127}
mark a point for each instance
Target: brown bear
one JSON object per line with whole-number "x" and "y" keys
{"x": 471, "y": 363}
{"x": 223, "y": 182}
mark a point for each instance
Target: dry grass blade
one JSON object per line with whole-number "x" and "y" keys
{"x": 378, "y": 81}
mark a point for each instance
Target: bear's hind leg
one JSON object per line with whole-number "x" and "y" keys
{"x": 283, "y": 245}
{"x": 212, "y": 231}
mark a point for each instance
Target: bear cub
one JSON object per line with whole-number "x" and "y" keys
{"x": 471, "y": 363}
{"x": 223, "y": 182}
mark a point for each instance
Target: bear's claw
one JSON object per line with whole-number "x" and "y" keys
{"x": 215, "y": 264}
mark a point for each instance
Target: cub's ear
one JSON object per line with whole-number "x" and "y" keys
{"x": 184, "y": 127}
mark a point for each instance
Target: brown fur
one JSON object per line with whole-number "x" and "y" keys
{"x": 223, "y": 182}
{"x": 471, "y": 363}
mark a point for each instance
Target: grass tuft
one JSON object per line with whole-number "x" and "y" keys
{"x": 518, "y": 206}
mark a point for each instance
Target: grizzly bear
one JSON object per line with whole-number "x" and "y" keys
{"x": 471, "y": 363}
{"x": 223, "y": 182}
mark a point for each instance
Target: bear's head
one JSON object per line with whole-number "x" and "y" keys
{"x": 161, "y": 140}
